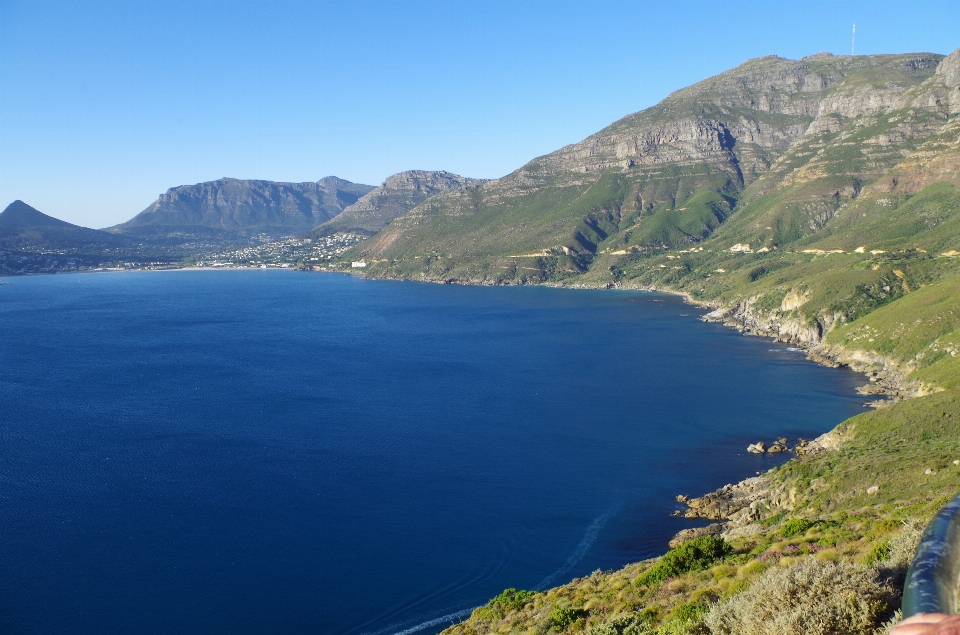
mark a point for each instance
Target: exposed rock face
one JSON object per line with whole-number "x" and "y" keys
{"x": 887, "y": 376}
{"x": 740, "y": 504}
{"x": 243, "y": 207}
{"x": 706, "y": 144}
{"x": 396, "y": 196}
{"x": 728, "y": 500}
{"x": 949, "y": 70}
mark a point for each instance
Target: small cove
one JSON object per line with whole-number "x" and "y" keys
{"x": 272, "y": 451}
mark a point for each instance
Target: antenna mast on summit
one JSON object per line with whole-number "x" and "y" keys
{"x": 853, "y": 38}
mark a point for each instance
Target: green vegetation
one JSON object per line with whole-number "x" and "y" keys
{"x": 696, "y": 555}
{"x": 511, "y": 600}
{"x": 796, "y": 526}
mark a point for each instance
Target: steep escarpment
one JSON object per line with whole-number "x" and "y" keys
{"x": 235, "y": 207}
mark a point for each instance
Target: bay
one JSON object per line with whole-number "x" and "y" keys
{"x": 282, "y": 452}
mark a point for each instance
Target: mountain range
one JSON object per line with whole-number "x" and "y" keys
{"x": 228, "y": 211}
{"x": 395, "y": 197}
{"x": 234, "y": 207}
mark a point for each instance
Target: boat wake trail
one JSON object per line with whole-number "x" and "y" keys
{"x": 459, "y": 615}
{"x": 589, "y": 537}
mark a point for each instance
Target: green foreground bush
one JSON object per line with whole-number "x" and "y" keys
{"x": 510, "y": 600}
{"x": 696, "y": 555}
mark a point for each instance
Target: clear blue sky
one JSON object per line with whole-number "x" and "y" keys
{"x": 104, "y": 105}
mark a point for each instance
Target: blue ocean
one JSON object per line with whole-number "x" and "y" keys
{"x": 196, "y": 452}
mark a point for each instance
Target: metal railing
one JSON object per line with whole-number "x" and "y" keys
{"x": 931, "y": 585}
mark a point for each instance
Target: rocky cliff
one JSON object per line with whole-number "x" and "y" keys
{"x": 235, "y": 207}
{"x": 671, "y": 175}
{"x": 396, "y": 196}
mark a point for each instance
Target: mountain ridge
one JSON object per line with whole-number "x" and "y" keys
{"x": 398, "y": 194}
{"x": 702, "y": 145}
{"x": 23, "y": 227}
{"x": 243, "y": 207}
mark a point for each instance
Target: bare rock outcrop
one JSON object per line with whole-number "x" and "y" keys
{"x": 397, "y": 195}
{"x": 726, "y": 501}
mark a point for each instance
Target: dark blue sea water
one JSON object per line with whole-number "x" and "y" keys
{"x": 280, "y": 452}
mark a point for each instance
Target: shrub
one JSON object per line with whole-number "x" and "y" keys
{"x": 796, "y": 526}
{"x": 510, "y": 600}
{"x": 622, "y": 625}
{"x": 695, "y": 555}
{"x": 878, "y": 553}
{"x": 564, "y": 616}
{"x": 809, "y": 598}
{"x": 689, "y": 612}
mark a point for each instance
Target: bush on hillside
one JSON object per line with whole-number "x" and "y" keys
{"x": 811, "y": 597}
{"x": 564, "y": 616}
{"x": 796, "y": 526}
{"x": 510, "y": 600}
{"x": 695, "y": 555}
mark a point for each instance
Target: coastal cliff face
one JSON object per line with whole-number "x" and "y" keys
{"x": 397, "y": 195}
{"x": 243, "y": 207}
{"x": 887, "y": 374}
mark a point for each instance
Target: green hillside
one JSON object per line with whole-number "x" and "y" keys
{"x": 772, "y": 143}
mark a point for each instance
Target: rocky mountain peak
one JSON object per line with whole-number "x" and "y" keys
{"x": 397, "y": 195}
{"x": 949, "y": 68}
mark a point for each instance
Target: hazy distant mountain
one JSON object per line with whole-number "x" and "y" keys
{"x": 234, "y": 207}
{"x": 396, "y": 196}
{"x": 24, "y": 228}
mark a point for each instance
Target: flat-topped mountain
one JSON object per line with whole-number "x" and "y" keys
{"x": 396, "y": 196}
{"x": 24, "y": 228}
{"x": 234, "y": 207}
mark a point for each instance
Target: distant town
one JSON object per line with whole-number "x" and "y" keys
{"x": 314, "y": 253}
{"x": 317, "y": 254}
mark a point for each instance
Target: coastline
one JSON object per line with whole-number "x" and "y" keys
{"x": 735, "y": 508}
{"x": 885, "y": 376}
